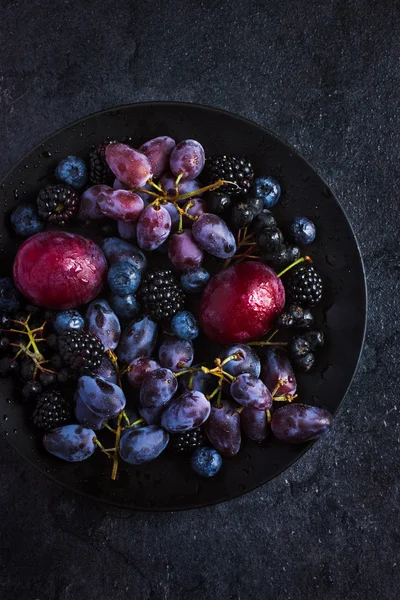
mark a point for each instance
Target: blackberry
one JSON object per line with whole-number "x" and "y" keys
{"x": 231, "y": 168}
{"x": 58, "y": 204}
{"x": 161, "y": 294}
{"x": 81, "y": 351}
{"x": 51, "y": 410}
{"x": 187, "y": 440}
{"x": 99, "y": 171}
{"x": 304, "y": 286}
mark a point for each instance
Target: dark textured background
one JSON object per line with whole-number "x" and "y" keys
{"x": 325, "y": 77}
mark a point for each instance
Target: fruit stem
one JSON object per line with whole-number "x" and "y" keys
{"x": 117, "y": 438}
{"x": 269, "y": 416}
{"x": 114, "y": 361}
{"x": 207, "y": 188}
{"x": 268, "y": 342}
{"x": 106, "y": 425}
{"x": 149, "y": 192}
{"x": 137, "y": 422}
{"x": 177, "y": 181}
{"x": 285, "y": 398}
{"x": 157, "y": 187}
{"x": 234, "y": 356}
{"x": 296, "y": 262}
{"x": 280, "y": 383}
{"x": 100, "y": 445}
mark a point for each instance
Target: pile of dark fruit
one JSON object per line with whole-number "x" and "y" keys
{"x": 99, "y": 341}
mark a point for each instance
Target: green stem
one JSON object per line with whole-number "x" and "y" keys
{"x": 296, "y": 262}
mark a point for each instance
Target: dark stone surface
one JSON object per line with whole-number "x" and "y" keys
{"x": 325, "y": 77}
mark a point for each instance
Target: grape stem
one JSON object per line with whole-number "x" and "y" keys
{"x": 112, "y": 356}
{"x": 100, "y": 445}
{"x": 31, "y": 350}
{"x": 117, "y": 439}
{"x": 133, "y": 424}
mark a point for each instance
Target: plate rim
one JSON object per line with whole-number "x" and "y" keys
{"x": 365, "y": 302}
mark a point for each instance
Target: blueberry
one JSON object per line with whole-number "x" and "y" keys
{"x": 126, "y": 307}
{"x": 123, "y": 278}
{"x": 184, "y": 326}
{"x": 69, "y": 320}
{"x": 25, "y": 220}
{"x": 268, "y": 189}
{"x": 302, "y": 230}
{"x": 73, "y": 171}
{"x": 9, "y": 296}
{"x": 194, "y": 280}
{"x": 206, "y": 461}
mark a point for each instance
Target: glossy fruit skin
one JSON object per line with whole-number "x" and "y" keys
{"x": 126, "y": 307}
{"x": 167, "y": 182}
{"x": 85, "y": 416}
{"x": 103, "y": 398}
{"x": 68, "y": 320}
{"x": 299, "y": 423}
{"x": 116, "y": 250}
{"x": 142, "y": 445}
{"x": 158, "y": 387}
{"x": 198, "y": 208}
{"x": 187, "y": 158}
{"x": 130, "y": 166}
{"x": 275, "y": 365}
{"x": 187, "y": 411}
{"x": 223, "y": 429}
{"x": 158, "y": 151}
{"x": 206, "y": 462}
{"x": 212, "y": 234}
{"x": 120, "y": 205}
{"x": 183, "y": 251}
{"x": 59, "y": 270}
{"x": 25, "y": 220}
{"x": 194, "y": 280}
{"x": 248, "y": 390}
{"x": 176, "y": 354}
{"x": 241, "y": 303}
{"x": 123, "y": 278}
{"x": 152, "y": 415}
{"x": 73, "y": 171}
{"x": 102, "y": 322}
{"x": 302, "y": 230}
{"x": 246, "y": 360}
{"x": 198, "y": 382}
{"x": 255, "y": 424}
{"x": 153, "y": 228}
{"x": 88, "y": 208}
{"x": 72, "y": 443}
{"x": 138, "y": 339}
{"x": 268, "y": 189}
{"x": 127, "y": 230}
{"x": 106, "y": 370}
{"x": 173, "y": 213}
{"x": 184, "y": 325}
{"x": 217, "y": 203}
{"x": 139, "y": 368}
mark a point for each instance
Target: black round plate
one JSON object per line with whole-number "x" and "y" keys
{"x": 168, "y": 483}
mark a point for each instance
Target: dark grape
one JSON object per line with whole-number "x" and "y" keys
{"x": 298, "y": 423}
{"x": 223, "y": 428}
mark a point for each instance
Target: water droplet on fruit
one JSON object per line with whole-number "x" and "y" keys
{"x": 16, "y": 193}
{"x": 5, "y": 417}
